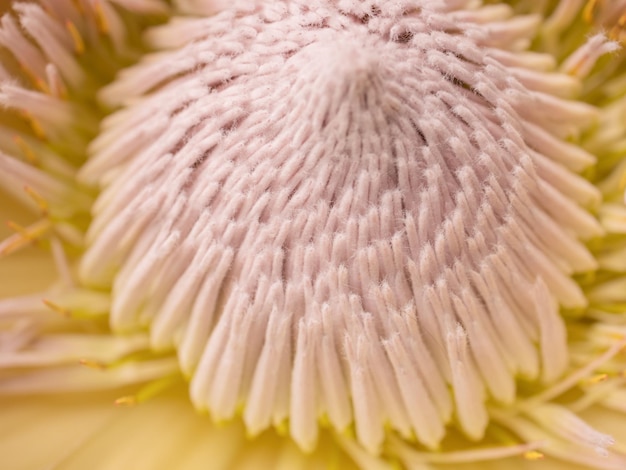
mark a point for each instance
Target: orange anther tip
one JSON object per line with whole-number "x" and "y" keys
{"x": 92, "y": 364}
{"x": 42, "y": 85}
{"x": 38, "y": 198}
{"x": 125, "y": 401}
{"x": 589, "y": 10}
{"x": 26, "y": 150}
{"x": 57, "y": 308}
{"x": 79, "y": 44}
{"x": 533, "y": 455}
{"x": 598, "y": 378}
{"x": 14, "y": 226}
{"x": 101, "y": 20}
{"x": 35, "y": 126}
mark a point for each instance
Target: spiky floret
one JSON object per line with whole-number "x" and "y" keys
{"x": 391, "y": 214}
{"x": 362, "y": 213}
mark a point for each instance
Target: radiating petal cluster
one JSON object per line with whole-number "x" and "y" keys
{"x": 388, "y": 221}
{"x": 358, "y": 207}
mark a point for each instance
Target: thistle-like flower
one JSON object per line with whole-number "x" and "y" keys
{"x": 391, "y": 232}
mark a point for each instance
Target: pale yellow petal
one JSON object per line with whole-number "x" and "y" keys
{"x": 87, "y": 431}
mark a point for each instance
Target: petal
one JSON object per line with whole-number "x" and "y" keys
{"x": 74, "y": 432}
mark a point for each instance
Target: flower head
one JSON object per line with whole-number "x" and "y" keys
{"x": 375, "y": 220}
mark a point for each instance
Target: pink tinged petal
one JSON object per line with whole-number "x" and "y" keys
{"x": 553, "y": 336}
{"x": 302, "y": 413}
{"x": 181, "y": 31}
{"x": 271, "y": 375}
{"x": 468, "y": 390}
{"x": 52, "y": 39}
{"x": 12, "y": 39}
{"x": 425, "y": 421}
{"x": 52, "y": 112}
{"x": 584, "y": 58}
{"x": 369, "y": 431}
{"x": 563, "y": 15}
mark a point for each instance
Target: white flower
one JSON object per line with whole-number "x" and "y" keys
{"x": 391, "y": 228}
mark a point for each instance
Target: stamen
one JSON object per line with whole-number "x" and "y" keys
{"x": 35, "y": 125}
{"x": 563, "y": 15}
{"x": 596, "y": 379}
{"x": 54, "y": 40}
{"x": 597, "y": 393}
{"x": 590, "y": 10}
{"x": 409, "y": 455}
{"x": 93, "y": 364}
{"x": 83, "y": 379}
{"x": 580, "y": 452}
{"x": 27, "y": 151}
{"x": 582, "y": 61}
{"x": 573, "y": 379}
{"x": 39, "y": 200}
{"x": 80, "y": 303}
{"x": 101, "y": 20}
{"x": 533, "y": 455}
{"x": 79, "y": 44}
{"x": 617, "y": 31}
{"x": 44, "y": 112}
{"x": 56, "y": 86}
{"x": 148, "y": 391}
{"x": 61, "y": 198}
{"x": 57, "y": 308}
{"x": 28, "y": 56}
{"x": 24, "y": 237}
{"x": 566, "y": 424}
{"x": 58, "y": 348}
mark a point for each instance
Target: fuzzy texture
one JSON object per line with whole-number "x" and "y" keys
{"x": 364, "y": 210}
{"x": 356, "y": 222}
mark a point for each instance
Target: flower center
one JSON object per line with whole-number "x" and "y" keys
{"x": 347, "y": 212}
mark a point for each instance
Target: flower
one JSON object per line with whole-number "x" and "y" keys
{"x": 391, "y": 232}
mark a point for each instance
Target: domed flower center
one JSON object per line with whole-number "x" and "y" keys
{"x": 361, "y": 212}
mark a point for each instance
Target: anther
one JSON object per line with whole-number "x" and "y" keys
{"x": 596, "y": 379}
{"x": 590, "y": 10}
{"x": 57, "y": 308}
{"x": 128, "y": 400}
{"x": 26, "y": 150}
{"x": 39, "y": 200}
{"x": 617, "y": 31}
{"x": 533, "y": 455}
{"x": 24, "y": 236}
{"x": 79, "y": 44}
{"x": 149, "y": 391}
{"x": 34, "y": 125}
{"x": 101, "y": 20}
{"x": 93, "y": 364}
{"x": 42, "y": 85}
